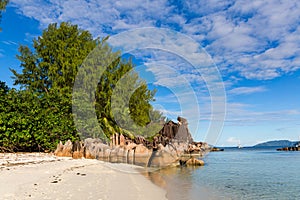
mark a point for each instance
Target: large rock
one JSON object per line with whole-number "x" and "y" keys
{"x": 183, "y": 134}
{"x": 141, "y": 149}
{"x": 131, "y": 146}
{"x": 163, "y": 156}
{"x": 175, "y": 131}
{"x": 107, "y": 154}
{"x": 102, "y": 155}
{"x": 92, "y": 147}
{"x": 169, "y": 130}
{"x": 141, "y": 155}
{"x": 118, "y": 155}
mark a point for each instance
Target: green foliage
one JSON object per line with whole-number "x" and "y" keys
{"x": 58, "y": 54}
{"x": 115, "y": 70}
{"x": 39, "y": 115}
{"x": 3, "y": 88}
{"x": 122, "y": 100}
{"x": 44, "y": 105}
{"x": 32, "y": 123}
{"x": 3, "y": 4}
{"x": 139, "y": 110}
{"x": 131, "y": 108}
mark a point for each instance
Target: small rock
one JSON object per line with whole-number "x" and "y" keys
{"x": 194, "y": 162}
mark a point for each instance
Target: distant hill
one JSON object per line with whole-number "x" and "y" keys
{"x": 277, "y": 143}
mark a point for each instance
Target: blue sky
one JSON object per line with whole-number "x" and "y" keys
{"x": 254, "y": 44}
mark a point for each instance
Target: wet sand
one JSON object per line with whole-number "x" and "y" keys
{"x": 49, "y": 177}
{"x": 176, "y": 181}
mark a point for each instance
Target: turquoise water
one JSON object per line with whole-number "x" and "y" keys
{"x": 237, "y": 174}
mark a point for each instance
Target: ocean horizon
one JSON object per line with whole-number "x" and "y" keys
{"x": 247, "y": 173}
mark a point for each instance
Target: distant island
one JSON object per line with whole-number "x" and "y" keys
{"x": 277, "y": 143}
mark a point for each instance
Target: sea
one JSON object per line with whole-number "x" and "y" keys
{"x": 246, "y": 173}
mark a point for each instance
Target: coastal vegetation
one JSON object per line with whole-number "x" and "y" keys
{"x": 38, "y": 114}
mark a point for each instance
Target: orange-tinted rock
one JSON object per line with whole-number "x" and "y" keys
{"x": 92, "y": 147}
{"x": 87, "y": 154}
{"x": 194, "y": 162}
{"x": 130, "y": 146}
{"x": 59, "y": 148}
{"x": 77, "y": 150}
{"x": 142, "y": 155}
{"x": 77, "y": 155}
{"x": 141, "y": 149}
{"x": 64, "y": 150}
{"x": 117, "y": 139}
{"x": 122, "y": 140}
{"x": 67, "y": 151}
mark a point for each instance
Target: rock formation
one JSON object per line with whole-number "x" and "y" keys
{"x": 77, "y": 150}
{"x": 64, "y": 150}
{"x": 173, "y": 145}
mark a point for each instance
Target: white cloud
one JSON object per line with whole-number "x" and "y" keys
{"x": 257, "y": 39}
{"x": 100, "y": 17}
{"x": 236, "y": 30}
{"x": 246, "y": 90}
{"x": 9, "y": 42}
{"x": 250, "y": 39}
{"x": 239, "y": 114}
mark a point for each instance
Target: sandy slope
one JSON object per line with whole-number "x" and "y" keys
{"x": 75, "y": 179}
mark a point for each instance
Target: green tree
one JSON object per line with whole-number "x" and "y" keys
{"x": 32, "y": 123}
{"x": 48, "y": 75}
{"x": 3, "y": 88}
{"x": 44, "y": 103}
{"x": 54, "y": 64}
{"x": 140, "y": 110}
{"x": 119, "y": 85}
{"x": 131, "y": 108}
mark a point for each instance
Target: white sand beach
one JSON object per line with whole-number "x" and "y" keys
{"x": 43, "y": 176}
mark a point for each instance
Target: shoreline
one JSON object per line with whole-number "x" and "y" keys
{"x": 175, "y": 181}
{"x": 44, "y": 176}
